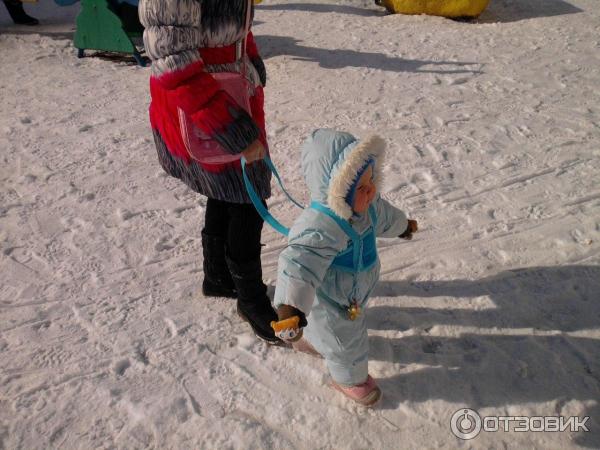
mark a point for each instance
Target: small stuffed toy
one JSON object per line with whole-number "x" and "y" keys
{"x": 289, "y": 326}
{"x": 287, "y": 329}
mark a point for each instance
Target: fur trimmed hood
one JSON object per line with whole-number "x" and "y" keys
{"x": 331, "y": 161}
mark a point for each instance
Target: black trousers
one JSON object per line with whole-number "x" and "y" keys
{"x": 238, "y": 224}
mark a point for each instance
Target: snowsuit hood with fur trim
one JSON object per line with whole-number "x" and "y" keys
{"x": 331, "y": 161}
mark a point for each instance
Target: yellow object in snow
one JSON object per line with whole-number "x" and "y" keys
{"x": 445, "y": 8}
{"x": 256, "y": 2}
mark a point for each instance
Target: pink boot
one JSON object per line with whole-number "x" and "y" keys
{"x": 366, "y": 394}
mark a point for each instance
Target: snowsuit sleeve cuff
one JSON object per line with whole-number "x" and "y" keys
{"x": 298, "y": 294}
{"x": 391, "y": 221}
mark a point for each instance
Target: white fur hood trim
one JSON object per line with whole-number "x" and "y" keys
{"x": 341, "y": 182}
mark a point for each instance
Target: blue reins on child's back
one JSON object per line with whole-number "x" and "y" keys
{"x": 359, "y": 256}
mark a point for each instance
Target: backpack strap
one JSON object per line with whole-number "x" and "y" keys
{"x": 240, "y": 47}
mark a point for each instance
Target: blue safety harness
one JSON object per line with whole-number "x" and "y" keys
{"x": 361, "y": 253}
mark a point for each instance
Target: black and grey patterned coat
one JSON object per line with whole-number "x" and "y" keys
{"x": 176, "y": 34}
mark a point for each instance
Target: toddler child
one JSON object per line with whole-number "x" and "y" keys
{"x": 330, "y": 266}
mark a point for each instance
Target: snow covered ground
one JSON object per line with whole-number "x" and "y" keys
{"x": 494, "y": 144}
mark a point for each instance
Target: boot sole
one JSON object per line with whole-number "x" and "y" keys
{"x": 276, "y": 340}
{"x": 220, "y": 294}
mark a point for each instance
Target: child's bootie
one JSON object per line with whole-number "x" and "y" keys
{"x": 302, "y": 345}
{"x": 366, "y": 394}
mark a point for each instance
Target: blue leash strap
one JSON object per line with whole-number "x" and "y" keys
{"x": 257, "y": 202}
{"x": 271, "y": 166}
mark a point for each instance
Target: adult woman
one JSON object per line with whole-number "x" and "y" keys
{"x": 189, "y": 41}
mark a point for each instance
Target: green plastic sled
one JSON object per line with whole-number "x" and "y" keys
{"x": 102, "y": 25}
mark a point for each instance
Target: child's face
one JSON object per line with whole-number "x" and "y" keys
{"x": 365, "y": 192}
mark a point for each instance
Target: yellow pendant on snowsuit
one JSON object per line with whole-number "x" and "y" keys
{"x": 445, "y": 8}
{"x": 353, "y": 311}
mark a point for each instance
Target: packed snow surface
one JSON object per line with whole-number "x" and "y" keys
{"x": 493, "y": 132}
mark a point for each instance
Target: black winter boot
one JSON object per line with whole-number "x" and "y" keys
{"x": 217, "y": 279}
{"x": 18, "y": 14}
{"x": 254, "y": 305}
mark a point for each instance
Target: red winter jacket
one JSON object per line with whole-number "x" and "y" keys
{"x": 177, "y": 35}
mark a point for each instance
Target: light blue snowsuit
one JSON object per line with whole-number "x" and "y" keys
{"x": 306, "y": 278}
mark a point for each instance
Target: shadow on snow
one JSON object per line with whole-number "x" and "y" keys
{"x": 522, "y": 355}
{"x": 272, "y": 46}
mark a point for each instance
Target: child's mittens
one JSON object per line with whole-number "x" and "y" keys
{"x": 410, "y": 229}
{"x": 289, "y": 326}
